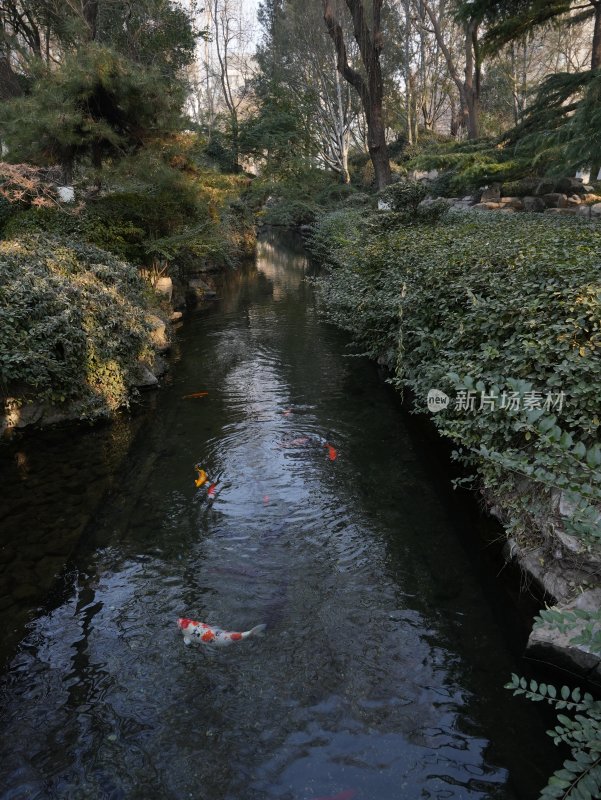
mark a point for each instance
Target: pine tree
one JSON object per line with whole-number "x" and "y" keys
{"x": 96, "y": 105}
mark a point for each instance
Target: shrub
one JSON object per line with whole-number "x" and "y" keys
{"x": 72, "y": 323}
{"x": 494, "y": 305}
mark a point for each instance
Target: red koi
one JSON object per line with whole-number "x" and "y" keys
{"x": 332, "y": 452}
{"x": 211, "y": 491}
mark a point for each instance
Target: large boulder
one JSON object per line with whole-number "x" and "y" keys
{"x": 596, "y": 211}
{"x": 570, "y": 185}
{"x": 555, "y": 200}
{"x": 486, "y": 206}
{"x": 198, "y": 290}
{"x": 158, "y": 333}
{"x": 164, "y": 288}
{"x": 534, "y": 204}
{"x": 545, "y": 186}
{"x": 142, "y": 377}
{"x": 562, "y": 211}
{"x": 491, "y": 194}
{"x": 521, "y": 188}
{"x": 516, "y": 203}
{"x": 548, "y": 643}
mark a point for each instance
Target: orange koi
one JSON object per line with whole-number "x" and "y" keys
{"x": 332, "y": 452}
{"x": 196, "y": 394}
{"x": 202, "y": 477}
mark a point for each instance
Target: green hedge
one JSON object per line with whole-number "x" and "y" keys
{"x": 490, "y": 305}
{"x": 72, "y": 323}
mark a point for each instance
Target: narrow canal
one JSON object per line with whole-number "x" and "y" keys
{"x": 380, "y": 675}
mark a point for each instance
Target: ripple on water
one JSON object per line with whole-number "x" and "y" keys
{"x": 363, "y": 683}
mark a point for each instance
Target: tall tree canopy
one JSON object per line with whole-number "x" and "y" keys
{"x": 76, "y": 65}
{"x": 512, "y": 19}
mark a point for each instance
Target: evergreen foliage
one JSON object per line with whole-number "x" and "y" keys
{"x": 493, "y": 305}
{"x": 562, "y": 129}
{"x": 97, "y": 104}
{"x": 72, "y": 324}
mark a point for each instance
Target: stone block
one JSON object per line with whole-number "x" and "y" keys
{"x": 164, "y": 288}
{"x": 517, "y": 203}
{"x": 143, "y": 378}
{"x": 486, "y": 206}
{"x": 491, "y": 194}
{"x": 596, "y": 211}
{"x": 158, "y": 333}
{"x": 570, "y": 185}
{"x": 545, "y": 186}
{"x": 534, "y": 204}
{"x": 200, "y": 288}
{"x": 555, "y": 200}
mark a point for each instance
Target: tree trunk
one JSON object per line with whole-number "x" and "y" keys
{"x": 596, "y": 64}
{"x": 97, "y": 164}
{"x": 472, "y": 81}
{"x": 345, "y": 175}
{"x": 370, "y": 89}
{"x": 469, "y": 88}
{"x": 90, "y": 15}
{"x": 235, "y": 144}
{"x": 376, "y": 144}
{"x": 596, "y": 57}
{"x": 9, "y": 83}
{"x": 67, "y": 169}
{"x": 341, "y": 128}
{"x": 514, "y": 86}
{"x": 407, "y": 71}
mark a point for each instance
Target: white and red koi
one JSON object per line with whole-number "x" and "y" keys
{"x": 202, "y": 633}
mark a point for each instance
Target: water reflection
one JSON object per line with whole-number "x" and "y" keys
{"x": 381, "y": 673}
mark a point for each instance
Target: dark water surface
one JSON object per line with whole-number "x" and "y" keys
{"x": 381, "y": 673}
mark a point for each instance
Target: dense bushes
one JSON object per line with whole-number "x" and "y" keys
{"x": 302, "y": 197}
{"x": 72, "y": 301}
{"x": 163, "y": 205}
{"x": 501, "y": 317}
{"x": 481, "y": 308}
{"x": 72, "y": 324}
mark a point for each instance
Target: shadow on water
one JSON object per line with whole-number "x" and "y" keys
{"x": 381, "y": 673}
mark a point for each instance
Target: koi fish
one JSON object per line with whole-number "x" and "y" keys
{"x": 301, "y": 441}
{"x": 211, "y": 491}
{"x": 196, "y": 394}
{"x": 202, "y": 477}
{"x": 206, "y": 634}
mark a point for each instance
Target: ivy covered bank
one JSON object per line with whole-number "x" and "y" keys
{"x": 496, "y": 319}
{"x": 491, "y": 324}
